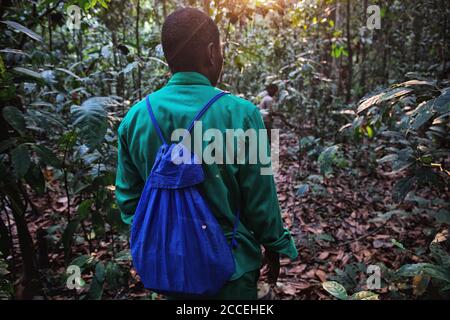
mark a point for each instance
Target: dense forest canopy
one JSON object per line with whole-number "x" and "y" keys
{"x": 364, "y": 119}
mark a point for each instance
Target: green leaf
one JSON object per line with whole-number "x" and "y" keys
{"x": 439, "y": 254}
{"x": 388, "y": 158}
{"x": 326, "y": 159}
{"x": 14, "y": 51}
{"x": 82, "y": 261}
{"x": 413, "y": 83}
{"x": 442, "y": 103}
{"x": 395, "y": 94}
{"x": 84, "y": 209}
{"x": 67, "y": 237}
{"x": 98, "y": 223}
{"x": 402, "y": 187}
{"x": 410, "y": 270}
{"x": 100, "y": 271}
{"x": 46, "y": 156}
{"x": 437, "y": 272}
{"x": 29, "y": 73}
{"x": 335, "y": 289}
{"x": 91, "y": 119}
{"x": 434, "y": 271}
{"x": 404, "y": 160}
{"x": 6, "y": 144}
{"x": 70, "y": 73}
{"x": 443, "y": 216}
{"x": 95, "y": 290}
{"x": 113, "y": 219}
{"x": 113, "y": 275}
{"x": 35, "y": 179}
{"x": 15, "y": 118}
{"x": 364, "y": 295}
{"x": 21, "y": 160}
{"x": 398, "y": 244}
{"x": 421, "y": 115}
{"x": 124, "y": 255}
{"x": 370, "y": 132}
{"x": 23, "y": 29}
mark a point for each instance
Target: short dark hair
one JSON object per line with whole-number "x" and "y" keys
{"x": 272, "y": 89}
{"x": 185, "y": 34}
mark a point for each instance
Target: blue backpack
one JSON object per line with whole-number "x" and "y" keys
{"x": 177, "y": 245}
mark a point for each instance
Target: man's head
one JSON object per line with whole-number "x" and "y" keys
{"x": 191, "y": 42}
{"x": 272, "y": 89}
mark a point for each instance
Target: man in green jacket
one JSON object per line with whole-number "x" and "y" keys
{"x": 192, "y": 48}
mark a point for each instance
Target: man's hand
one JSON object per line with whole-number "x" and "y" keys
{"x": 272, "y": 260}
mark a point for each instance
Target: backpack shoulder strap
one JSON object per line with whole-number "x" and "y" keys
{"x": 196, "y": 118}
{"x": 155, "y": 123}
{"x": 206, "y": 107}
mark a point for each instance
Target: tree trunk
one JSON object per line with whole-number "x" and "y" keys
{"x": 28, "y": 286}
{"x": 350, "y": 55}
{"x": 362, "y": 82}
{"x": 138, "y": 48}
{"x": 335, "y": 64}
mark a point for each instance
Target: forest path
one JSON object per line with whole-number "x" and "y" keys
{"x": 336, "y": 224}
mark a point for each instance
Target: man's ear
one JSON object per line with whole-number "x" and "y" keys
{"x": 210, "y": 53}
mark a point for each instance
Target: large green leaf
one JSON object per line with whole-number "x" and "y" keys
{"x": 100, "y": 271}
{"x": 91, "y": 119}
{"x": 35, "y": 179}
{"x": 383, "y": 96}
{"x": 18, "y": 27}
{"x": 415, "y": 83}
{"x": 21, "y": 160}
{"x": 95, "y": 290}
{"x": 70, "y": 73}
{"x": 421, "y": 115}
{"x": 442, "y": 103}
{"x": 15, "y": 118}
{"x": 82, "y": 261}
{"x": 434, "y": 271}
{"x": 97, "y": 283}
{"x": 437, "y": 272}
{"x": 14, "y": 51}
{"x": 46, "y": 156}
{"x": 29, "y": 74}
{"x": 410, "y": 270}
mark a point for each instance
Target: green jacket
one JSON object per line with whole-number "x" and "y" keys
{"x": 227, "y": 187}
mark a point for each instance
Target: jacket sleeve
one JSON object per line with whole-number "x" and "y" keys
{"x": 129, "y": 183}
{"x": 260, "y": 207}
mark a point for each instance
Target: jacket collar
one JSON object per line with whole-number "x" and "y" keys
{"x": 188, "y": 78}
